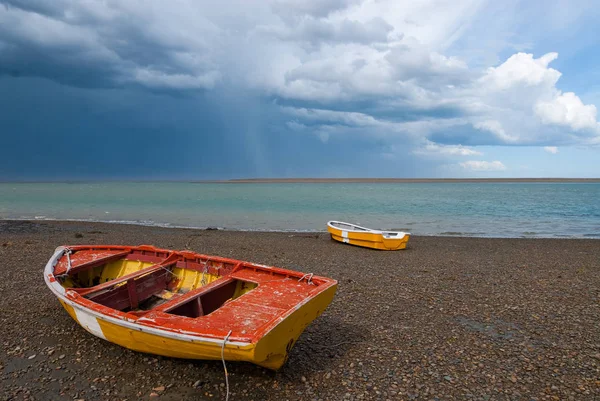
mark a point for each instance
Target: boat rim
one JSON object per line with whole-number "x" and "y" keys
{"x": 60, "y": 293}
{"x": 363, "y": 229}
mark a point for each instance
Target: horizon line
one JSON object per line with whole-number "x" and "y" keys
{"x": 314, "y": 180}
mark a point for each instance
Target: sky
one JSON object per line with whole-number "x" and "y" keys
{"x": 190, "y": 89}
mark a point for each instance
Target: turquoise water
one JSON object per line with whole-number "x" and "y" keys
{"x": 461, "y": 209}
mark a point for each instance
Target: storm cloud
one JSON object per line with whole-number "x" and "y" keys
{"x": 193, "y": 90}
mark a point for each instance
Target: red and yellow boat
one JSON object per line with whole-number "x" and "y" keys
{"x": 352, "y": 234}
{"x": 187, "y": 305}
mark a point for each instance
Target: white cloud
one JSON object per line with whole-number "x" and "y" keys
{"x": 331, "y": 116}
{"x": 523, "y": 70}
{"x": 316, "y": 8}
{"x": 477, "y": 165}
{"x": 432, "y": 148}
{"x": 342, "y": 123}
{"x": 296, "y": 126}
{"x": 551, "y": 149}
{"x": 522, "y": 105}
{"x": 434, "y": 23}
{"x": 517, "y": 102}
{"x": 317, "y": 31}
{"x": 568, "y": 110}
{"x": 495, "y": 128}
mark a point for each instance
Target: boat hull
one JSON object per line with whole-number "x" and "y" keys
{"x": 153, "y": 343}
{"x": 373, "y": 240}
{"x": 270, "y": 349}
{"x": 271, "y": 352}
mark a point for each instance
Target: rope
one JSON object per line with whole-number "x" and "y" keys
{"x": 169, "y": 271}
{"x": 225, "y": 366}
{"x": 309, "y": 280}
{"x": 205, "y": 270}
{"x": 68, "y": 253}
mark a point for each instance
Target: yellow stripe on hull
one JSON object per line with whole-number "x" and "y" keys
{"x": 271, "y": 351}
{"x": 159, "y": 345}
{"x": 369, "y": 240}
{"x": 151, "y": 343}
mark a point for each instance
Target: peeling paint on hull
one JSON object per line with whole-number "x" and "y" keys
{"x": 266, "y": 308}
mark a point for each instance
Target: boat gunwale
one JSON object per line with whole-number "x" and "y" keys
{"x": 364, "y": 230}
{"x": 119, "y": 318}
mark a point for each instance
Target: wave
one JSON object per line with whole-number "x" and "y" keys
{"x": 151, "y": 223}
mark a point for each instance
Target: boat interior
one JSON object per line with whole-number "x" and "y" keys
{"x": 348, "y": 227}
{"x": 137, "y": 281}
{"x": 351, "y": 227}
{"x": 393, "y": 234}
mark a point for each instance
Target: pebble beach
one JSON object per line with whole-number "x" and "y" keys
{"x": 449, "y": 318}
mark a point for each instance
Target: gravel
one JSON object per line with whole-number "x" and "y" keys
{"x": 448, "y": 318}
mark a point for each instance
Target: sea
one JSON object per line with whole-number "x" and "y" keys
{"x": 471, "y": 209}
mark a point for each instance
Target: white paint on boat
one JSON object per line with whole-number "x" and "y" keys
{"x": 89, "y": 322}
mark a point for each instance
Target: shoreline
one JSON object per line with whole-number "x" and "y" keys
{"x": 242, "y": 230}
{"x": 446, "y": 318}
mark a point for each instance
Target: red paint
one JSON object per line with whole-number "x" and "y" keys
{"x": 88, "y": 259}
{"x": 160, "y": 266}
{"x": 132, "y": 293}
{"x": 143, "y": 257}
{"x": 249, "y": 317}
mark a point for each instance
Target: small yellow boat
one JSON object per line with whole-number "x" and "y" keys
{"x": 187, "y": 305}
{"x": 355, "y": 235}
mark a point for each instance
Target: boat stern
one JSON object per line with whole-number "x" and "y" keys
{"x": 272, "y": 350}
{"x": 395, "y": 243}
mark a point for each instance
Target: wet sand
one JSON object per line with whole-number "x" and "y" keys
{"x": 448, "y": 318}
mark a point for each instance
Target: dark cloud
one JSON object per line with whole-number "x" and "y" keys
{"x": 51, "y": 9}
{"x": 52, "y": 131}
{"x": 96, "y": 45}
{"x": 73, "y": 67}
{"x": 277, "y": 88}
